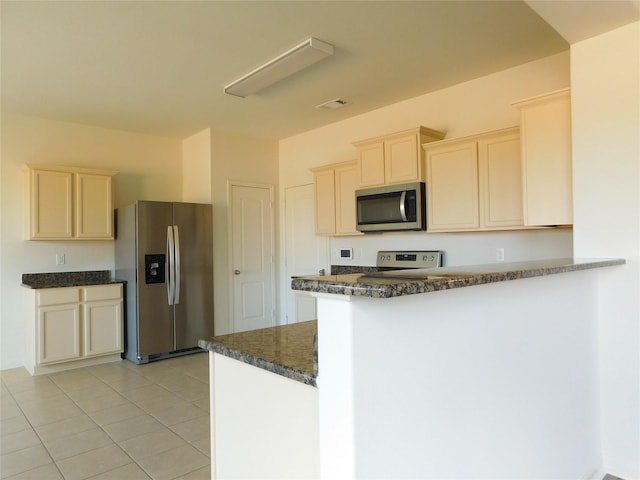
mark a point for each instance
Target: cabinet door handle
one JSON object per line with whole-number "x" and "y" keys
{"x": 236, "y": 272}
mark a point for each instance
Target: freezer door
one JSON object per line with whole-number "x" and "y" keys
{"x": 155, "y": 315}
{"x": 194, "y": 310}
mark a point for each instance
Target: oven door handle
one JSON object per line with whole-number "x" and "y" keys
{"x": 403, "y": 212}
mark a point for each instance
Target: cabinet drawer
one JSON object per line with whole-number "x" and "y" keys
{"x": 57, "y": 296}
{"x": 102, "y": 292}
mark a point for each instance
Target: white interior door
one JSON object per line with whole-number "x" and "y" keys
{"x": 252, "y": 257}
{"x": 306, "y": 253}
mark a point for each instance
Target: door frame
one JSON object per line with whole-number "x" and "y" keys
{"x": 267, "y": 186}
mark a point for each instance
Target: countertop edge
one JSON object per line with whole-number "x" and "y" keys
{"x": 459, "y": 277}
{"x": 73, "y": 284}
{"x": 261, "y": 363}
{"x": 38, "y": 281}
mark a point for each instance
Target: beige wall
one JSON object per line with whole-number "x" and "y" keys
{"x": 149, "y": 168}
{"x": 605, "y": 91}
{"x": 472, "y": 107}
{"x": 196, "y": 168}
{"x": 243, "y": 159}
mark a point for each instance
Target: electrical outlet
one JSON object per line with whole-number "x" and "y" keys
{"x": 60, "y": 259}
{"x": 500, "y": 254}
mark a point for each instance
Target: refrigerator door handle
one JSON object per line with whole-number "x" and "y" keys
{"x": 176, "y": 266}
{"x": 170, "y": 274}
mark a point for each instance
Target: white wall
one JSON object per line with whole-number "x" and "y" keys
{"x": 605, "y": 90}
{"x": 472, "y": 107}
{"x": 238, "y": 158}
{"x": 149, "y": 169}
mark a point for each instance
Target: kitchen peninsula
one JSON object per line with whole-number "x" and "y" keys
{"x": 420, "y": 377}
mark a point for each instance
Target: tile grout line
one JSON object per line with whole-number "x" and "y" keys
{"x": 34, "y": 431}
{"x": 180, "y": 371}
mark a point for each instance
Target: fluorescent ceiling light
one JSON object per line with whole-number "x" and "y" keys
{"x": 301, "y": 56}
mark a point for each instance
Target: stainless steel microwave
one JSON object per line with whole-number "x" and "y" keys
{"x": 391, "y": 208}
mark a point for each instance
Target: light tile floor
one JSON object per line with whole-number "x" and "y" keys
{"x": 113, "y": 421}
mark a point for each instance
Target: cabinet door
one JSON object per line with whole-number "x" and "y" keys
{"x": 94, "y": 211}
{"x": 346, "y": 183}
{"x": 546, "y": 160}
{"x": 500, "y": 171}
{"x": 452, "y": 187}
{"x": 102, "y": 328}
{"x": 371, "y": 165}
{"x": 325, "y": 202}
{"x": 402, "y": 160}
{"x": 50, "y": 205}
{"x": 58, "y": 333}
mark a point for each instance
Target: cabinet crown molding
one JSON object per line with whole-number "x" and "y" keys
{"x": 320, "y": 168}
{"x": 423, "y": 131}
{"x": 475, "y": 136}
{"x": 60, "y": 168}
{"x": 563, "y": 92}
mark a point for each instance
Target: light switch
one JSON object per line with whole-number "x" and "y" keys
{"x": 60, "y": 259}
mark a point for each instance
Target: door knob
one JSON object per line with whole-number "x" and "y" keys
{"x": 236, "y": 272}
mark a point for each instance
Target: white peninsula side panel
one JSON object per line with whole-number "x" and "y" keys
{"x": 263, "y": 425}
{"x": 492, "y": 381}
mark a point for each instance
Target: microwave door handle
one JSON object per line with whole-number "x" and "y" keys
{"x": 403, "y": 212}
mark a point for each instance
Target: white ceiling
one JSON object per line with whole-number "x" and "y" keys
{"x": 159, "y": 67}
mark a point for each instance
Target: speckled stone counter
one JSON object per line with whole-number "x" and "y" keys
{"x": 347, "y": 269}
{"x": 287, "y": 350}
{"x": 408, "y": 282}
{"x": 67, "y": 279}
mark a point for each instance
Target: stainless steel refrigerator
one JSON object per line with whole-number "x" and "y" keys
{"x": 164, "y": 251}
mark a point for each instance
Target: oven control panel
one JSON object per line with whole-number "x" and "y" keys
{"x": 409, "y": 259}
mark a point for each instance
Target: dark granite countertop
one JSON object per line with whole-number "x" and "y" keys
{"x": 288, "y": 350}
{"x": 67, "y": 279}
{"x": 408, "y": 282}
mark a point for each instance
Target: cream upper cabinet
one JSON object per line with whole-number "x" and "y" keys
{"x": 546, "y": 159}
{"x": 474, "y": 183}
{"x": 335, "y": 201}
{"x": 346, "y": 183}
{"x": 325, "y": 194}
{"x": 65, "y": 203}
{"x": 51, "y": 204}
{"x": 500, "y": 179}
{"x": 94, "y": 206}
{"x": 395, "y": 158}
{"x": 452, "y": 186}
{"x": 73, "y": 326}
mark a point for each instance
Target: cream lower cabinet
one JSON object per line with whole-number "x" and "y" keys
{"x": 73, "y": 326}
{"x": 546, "y": 159}
{"x": 474, "y": 183}
{"x": 335, "y": 201}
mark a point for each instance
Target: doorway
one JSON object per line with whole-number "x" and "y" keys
{"x": 252, "y": 255}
